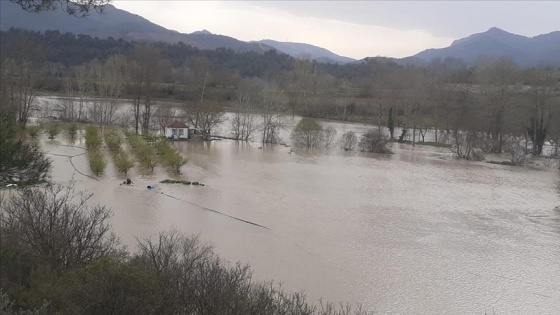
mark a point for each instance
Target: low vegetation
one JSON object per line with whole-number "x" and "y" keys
{"x": 310, "y": 133}
{"x": 375, "y": 142}
{"x": 21, "y": 162}
{"x": 72, "y": 130}
{"x": 52, "y": 265}
{"x": 170, "y": 156}
{"x": 53, "y": 130}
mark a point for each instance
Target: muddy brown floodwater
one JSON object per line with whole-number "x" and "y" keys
{"x": 416, "y": 232}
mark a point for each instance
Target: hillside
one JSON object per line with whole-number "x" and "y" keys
{"x": 116, "y": 23}
{"x": 526, "y": 51}
{"x": 319, "y": 54}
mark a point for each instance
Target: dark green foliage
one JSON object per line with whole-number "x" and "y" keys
{"x": 20, "y": 162}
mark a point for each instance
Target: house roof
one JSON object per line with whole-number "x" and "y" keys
{"x": 176, "y": 124}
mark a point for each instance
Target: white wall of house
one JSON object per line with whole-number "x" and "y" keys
{"x": 180, "y": 133}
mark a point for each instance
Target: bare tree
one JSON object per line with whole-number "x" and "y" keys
{"x": 84, "y": 88}
{"x": 543, "y": 81}
{"x": 163, "y": 115}
{"x": 57, "y": 225}
{"x": 20, "y": 67}
{"x": 143, "y": 71}
{"x": 243, "y": 123}
{"x": 206, "y": 117}
{"x": 466, "y": 124}
{"x": 270, "y": 107}
{"x": 349, "y": 141}
{"x": 68, "y": 109}
{"x": 76, "y": 8}
{"x": 497, "y": 79}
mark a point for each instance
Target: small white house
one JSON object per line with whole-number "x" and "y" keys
{"x": 176, "y": 130}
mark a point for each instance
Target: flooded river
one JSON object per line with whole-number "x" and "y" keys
{"x": 416, "y": 232}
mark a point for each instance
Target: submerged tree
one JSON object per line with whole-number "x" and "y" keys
{"x": 374, "y": 141}
{"x": 349, "y": 141}
{"x": 543, "y": 82}
{"x": 308, "y": 133}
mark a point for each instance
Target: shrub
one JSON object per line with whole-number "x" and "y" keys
{"x": 375, "y": 142}
{"x": 33, "y": 131}
{"x": 311, "y": 134}
{"x": 53, "y": 130}
{"x": 516, "y": 151}
{"x": 72, "y": 129}
{"x": 56, "y": 225}
{"x": 349, "y": 141}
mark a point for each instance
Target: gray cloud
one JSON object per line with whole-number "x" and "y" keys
{"x": 441, "y": 18}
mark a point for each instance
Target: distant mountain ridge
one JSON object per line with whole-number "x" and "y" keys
{"x": 526, "y": 51}
{"x": 315, "y": 53}
{"x": 116, "y": 23}
{"x": 120, "y": 24}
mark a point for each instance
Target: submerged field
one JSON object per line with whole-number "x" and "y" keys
{"x": 412, "y": 232}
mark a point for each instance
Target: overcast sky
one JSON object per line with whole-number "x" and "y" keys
{"x": 355, "y": 29}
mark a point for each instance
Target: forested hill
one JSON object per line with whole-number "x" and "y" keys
{"x": 66, "y": 50}
{"x": 118, "y": 24}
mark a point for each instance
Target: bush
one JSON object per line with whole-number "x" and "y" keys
{"x": 349, "y": 141}
{"x": 71, "y": 260}
{"x": 375, "y": 142}
{"x": 33, "y": 131}
{"x": 469, "y": 145}
{"x": 53, "y": 130}
{"x": 310, "y": 133}
{"x": 515, "y": 149}
{"x": 72, "y": 129}
{"x": 56, "y": 225}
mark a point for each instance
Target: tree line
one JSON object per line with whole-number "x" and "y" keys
{"x": 488, "y": 107}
